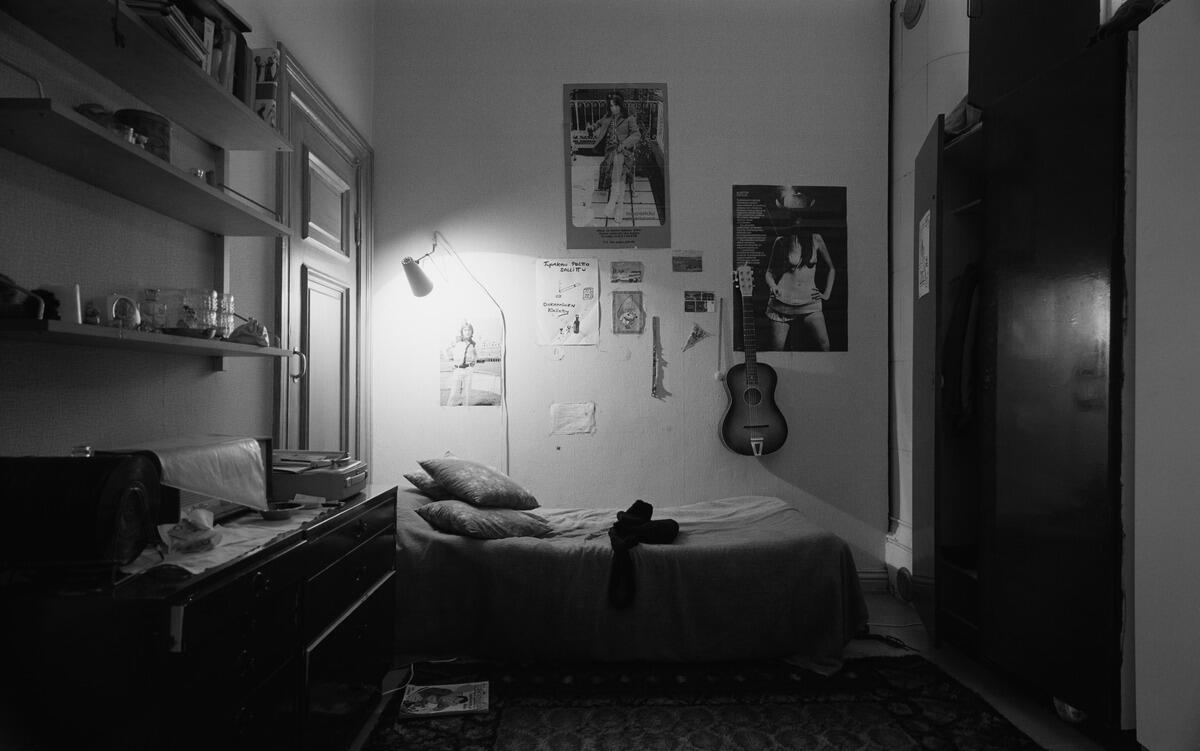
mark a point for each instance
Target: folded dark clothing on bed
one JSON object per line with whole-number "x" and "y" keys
{"x": 632, "y": 527}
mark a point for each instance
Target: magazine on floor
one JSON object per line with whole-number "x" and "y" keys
{"x": 443, "y": 699}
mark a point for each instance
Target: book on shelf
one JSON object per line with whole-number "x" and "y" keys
{"x": 171, "y": 23}
{"x": 208, "y": 32}
{"x": 225, "y": 57}
{"x": 243, "y": 72}
{"x": 439, "y": 700}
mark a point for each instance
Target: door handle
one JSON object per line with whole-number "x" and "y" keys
{"x": 303, "y": 366}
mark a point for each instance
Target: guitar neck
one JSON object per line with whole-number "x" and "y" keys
{"x": 749, "y": 341}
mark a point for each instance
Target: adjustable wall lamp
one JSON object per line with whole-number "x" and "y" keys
{"x": 421, "y": 286}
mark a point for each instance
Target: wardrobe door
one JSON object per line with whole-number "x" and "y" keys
{"x": 1053, "y": 322}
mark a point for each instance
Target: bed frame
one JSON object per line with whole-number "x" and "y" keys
{"x": 747, "y": 577}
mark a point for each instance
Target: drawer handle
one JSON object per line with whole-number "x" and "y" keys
{"x": 360, "y": 529}
{"x": 360, "y": 573}
{"x": 243, "y": 721}
{"x": 246, "y": 663}
{"x": 261, "y": 584}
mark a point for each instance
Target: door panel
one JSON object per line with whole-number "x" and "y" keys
{"x": 325, "y": 403}
{"x": 1054, "y": 257}
{"x": 328, "y": 204}
{"x": 927, "y": 249}
{"x": 324, "y": 277}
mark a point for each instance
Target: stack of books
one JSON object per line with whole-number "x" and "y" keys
{"x": 210, "y": 35}
{"x": 169, "y": 20}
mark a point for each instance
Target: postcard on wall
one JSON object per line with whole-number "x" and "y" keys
{"x": 567, "y": 296}
{"x": 696, "y": 301}
{"x": 627, "y": 272}
{"x": 469, "y": 362}
{"x": 443, "y": 699}
{"x": 794, "y": 240}
{"x": 615, "y": 148}
{"x": 629, "y": 317}
{"x": 686, "y": 262}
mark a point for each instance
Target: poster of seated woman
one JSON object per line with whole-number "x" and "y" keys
{"x": 616, "y": 158}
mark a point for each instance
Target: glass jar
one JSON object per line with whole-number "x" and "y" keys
{"x": 199, "y": 309}
{"x": 225, "y": 315}
{"x": 154, "y": 310}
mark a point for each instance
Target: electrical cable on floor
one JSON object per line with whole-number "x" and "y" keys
{"x": 402, "y": 686}
{"x": 889, "y": 640}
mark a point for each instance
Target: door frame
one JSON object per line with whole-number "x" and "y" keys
{"x": 297, "y": 88}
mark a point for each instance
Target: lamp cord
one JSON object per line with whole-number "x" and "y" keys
{"x": 503, "y": 341}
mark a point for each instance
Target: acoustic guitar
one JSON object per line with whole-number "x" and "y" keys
{"x": 752, "y": 425}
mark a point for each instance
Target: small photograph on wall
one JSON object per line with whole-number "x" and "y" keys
{"x": 615, "y": 138}
{"x": 469, "y": 362}
{"x": 792, "y": 239}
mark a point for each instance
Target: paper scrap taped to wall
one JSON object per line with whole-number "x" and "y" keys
{"x": 572, "y": 418}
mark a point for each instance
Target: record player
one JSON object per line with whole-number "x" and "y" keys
{"x": 331, "y": 475}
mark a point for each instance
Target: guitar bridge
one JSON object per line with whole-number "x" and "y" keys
{"x": 756, "y": 445}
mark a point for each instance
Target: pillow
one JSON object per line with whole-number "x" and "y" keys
{"x": 460, "y": 518}
{"x": 477, "y": 484}
{"x": 427, "y": 485}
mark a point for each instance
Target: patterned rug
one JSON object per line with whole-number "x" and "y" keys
{"x": 873, "y": 703}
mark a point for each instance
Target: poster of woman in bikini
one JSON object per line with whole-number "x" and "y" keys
{"x": 794, "y": 240}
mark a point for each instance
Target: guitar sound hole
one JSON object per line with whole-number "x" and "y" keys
{"x": 752, "y": 397}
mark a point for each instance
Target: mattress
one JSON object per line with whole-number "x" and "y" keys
{"x": 747, "y": 577}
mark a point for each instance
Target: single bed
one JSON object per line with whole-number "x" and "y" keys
{"x": 747, "y": 577}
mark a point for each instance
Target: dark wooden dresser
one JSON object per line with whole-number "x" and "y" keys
{"x": 283, "y": 648}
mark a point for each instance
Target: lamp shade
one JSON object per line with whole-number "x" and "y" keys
{"x": 417, "y": 278}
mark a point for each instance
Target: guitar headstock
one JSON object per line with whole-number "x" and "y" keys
{"x": 744, "y": 276}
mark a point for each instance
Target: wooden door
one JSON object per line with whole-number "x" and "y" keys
{"x": 326, "y": 264}
{"x": 927, "y": 248}
{"x": 1053, "y": 322}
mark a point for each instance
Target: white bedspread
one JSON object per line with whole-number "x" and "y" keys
{"x": 747, "y": 577}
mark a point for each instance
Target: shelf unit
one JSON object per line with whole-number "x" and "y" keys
{"x": 59, "y": 332}
{"x": 150, "y": 67}
{"x": 68, "y": 142}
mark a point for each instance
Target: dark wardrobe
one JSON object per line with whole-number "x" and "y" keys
{"x": 1017, "y": 414}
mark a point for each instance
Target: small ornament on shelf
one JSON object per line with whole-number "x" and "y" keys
{"x": 266, "y": 83}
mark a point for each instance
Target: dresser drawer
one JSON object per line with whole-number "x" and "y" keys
{"x": 329, "y": 546}
{"x": 257, "y": 600}
{"x": 345, "y": 670}
{"x": 234, "y": 636}
{"x": 339, "y": 586}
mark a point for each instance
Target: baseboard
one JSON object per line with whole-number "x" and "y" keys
{"x": 873, "y": 580}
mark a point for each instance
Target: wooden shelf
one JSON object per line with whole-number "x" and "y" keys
{"x": 68, "y": 142}
{"x": 58, "y": 332}
{"x": 150, "y": 68}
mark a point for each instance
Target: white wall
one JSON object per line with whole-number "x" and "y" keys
{"x": 469, "y": 142}
{"x": 929, "y": 77}
{"x": 1166, "y": 428}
